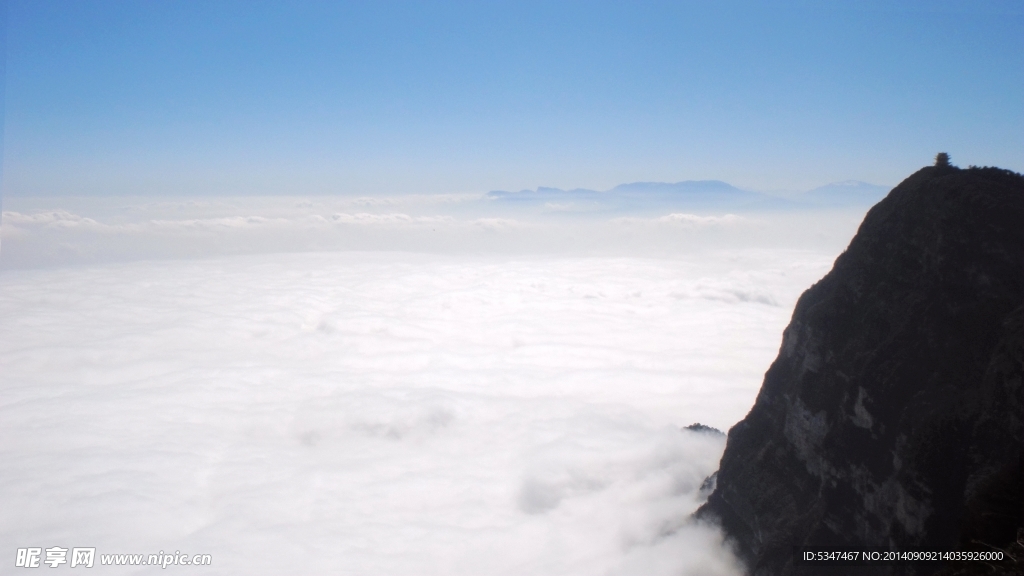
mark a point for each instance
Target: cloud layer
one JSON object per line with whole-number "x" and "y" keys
{"x": 382, "y": 413}
{"x": 48, "y": 232}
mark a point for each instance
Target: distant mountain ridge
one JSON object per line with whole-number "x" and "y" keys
{"x": 699, "y": 194}
{"x": 686, "y": 186}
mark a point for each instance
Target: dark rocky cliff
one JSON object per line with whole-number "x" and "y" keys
{"x": 893, "y": 413}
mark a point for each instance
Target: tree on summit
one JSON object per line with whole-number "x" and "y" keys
{"x": 942, "y": 159}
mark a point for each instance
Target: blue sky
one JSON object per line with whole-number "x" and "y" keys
{"x": 227, "y": 97}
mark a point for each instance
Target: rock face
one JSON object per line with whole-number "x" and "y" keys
{"x": 893, "y": 413}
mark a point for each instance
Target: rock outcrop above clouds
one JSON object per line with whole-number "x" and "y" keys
{"x": 892, "y": 416}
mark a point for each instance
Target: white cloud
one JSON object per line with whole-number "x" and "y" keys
{"x": 684, "y": 219}
{"x": 498, "y": 223}
{"x": 366, "y": 218}
{"x": 695, "y": 219}
{"x": 50, "y": 218}
{"x": 383, "y": 413}
{"x": 54, "y": 231}
{"x": 403, "y": 385}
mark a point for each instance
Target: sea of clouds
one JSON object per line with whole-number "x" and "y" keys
{"x": 392, "y": 386}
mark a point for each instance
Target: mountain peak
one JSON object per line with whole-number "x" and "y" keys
{"x": 892, "y": 416}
